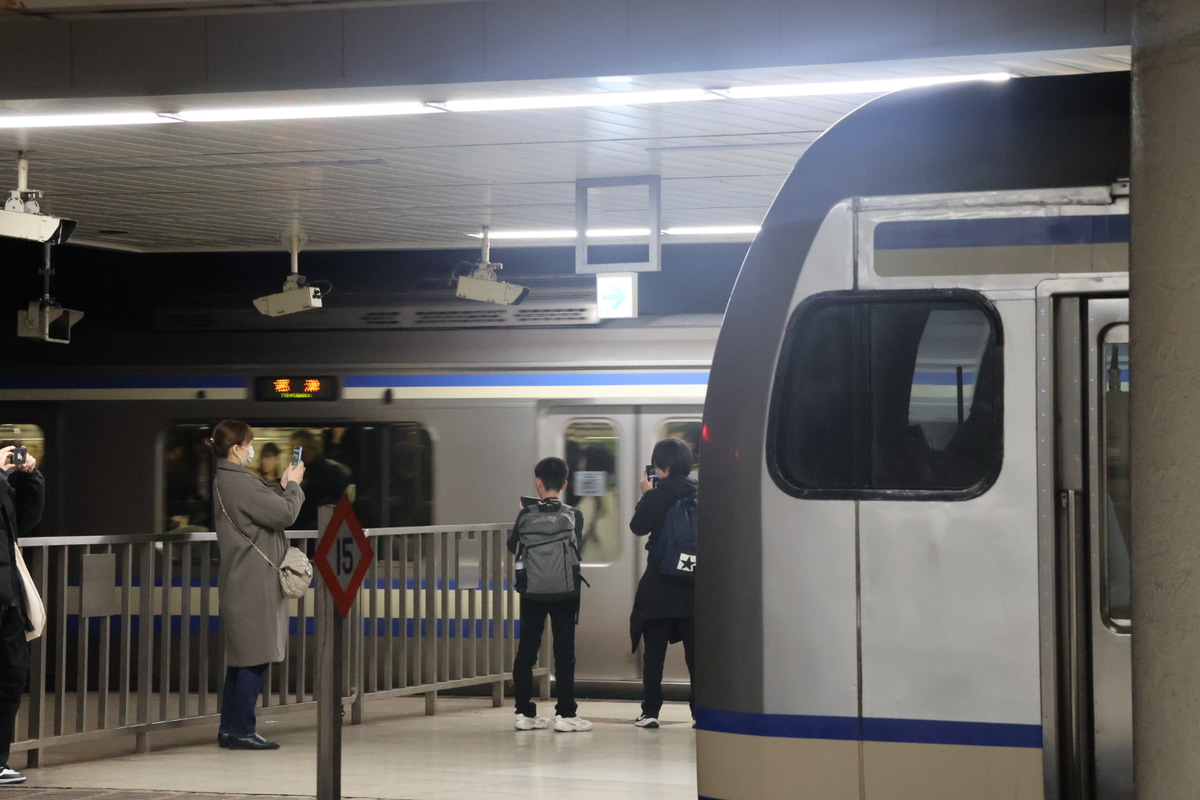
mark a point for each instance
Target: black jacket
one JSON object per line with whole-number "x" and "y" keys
{"x": 22, "y": 497}
{"x": 659, "y": 596}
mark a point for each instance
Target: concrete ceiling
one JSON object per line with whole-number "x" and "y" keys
{"x": 428, "y": 181}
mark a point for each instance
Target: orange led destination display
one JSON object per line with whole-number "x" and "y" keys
{"x": 296, "y": 387}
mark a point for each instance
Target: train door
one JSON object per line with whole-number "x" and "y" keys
{"x": 1094, "y": 589}
{"x": 606, "y": 448}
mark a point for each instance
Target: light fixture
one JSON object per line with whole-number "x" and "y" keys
{"x": 612, "y": 233}
{"x": 711, "y": 230}
{"x": 874, "y": 86}
{"x": 342, "y": 111}
{"x": 83, "y": 120}
{"x": 602, "y": 99}
{"x": 563, "y": 233}
{"x": 593, "y": 100}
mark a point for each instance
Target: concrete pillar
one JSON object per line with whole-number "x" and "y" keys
{"x": 1165, "y": 395}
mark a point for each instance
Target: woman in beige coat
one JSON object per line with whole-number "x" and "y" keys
{"x": 254, "y": 612}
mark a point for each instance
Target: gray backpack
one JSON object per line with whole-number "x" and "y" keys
{"x": 548, "y": 558}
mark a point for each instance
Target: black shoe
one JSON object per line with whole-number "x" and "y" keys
{"x": 223, "y": 739}
{"x": 9, "y": 775}
{"x": 251, "y": 742}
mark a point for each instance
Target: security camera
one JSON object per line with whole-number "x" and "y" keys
{"x": 296, "y": 296}
{"x": 490, "y": 290}
{"x": 38, "y": 227}
{"x": 48, "y": 321}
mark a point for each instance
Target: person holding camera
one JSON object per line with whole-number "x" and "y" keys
{"x": 250, "y": 517}
{"x": 664, "y": 608}
{"x": 22, "y": 498}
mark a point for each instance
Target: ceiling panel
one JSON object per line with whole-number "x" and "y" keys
{"x": 428, "y": 181}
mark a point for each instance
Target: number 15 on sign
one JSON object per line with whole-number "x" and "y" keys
{"x": 343, "y": 556}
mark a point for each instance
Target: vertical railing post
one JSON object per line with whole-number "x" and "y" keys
{"x": 145, "y": 657}
{"x": 429, "y": 650}
{"x": 38, "y": 559}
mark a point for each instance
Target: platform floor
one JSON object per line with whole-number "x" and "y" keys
{"x": 468, "y": 751}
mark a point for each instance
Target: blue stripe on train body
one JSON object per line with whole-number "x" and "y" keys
{"x": 548, "y": 379}
{"x": 870, "y": 729}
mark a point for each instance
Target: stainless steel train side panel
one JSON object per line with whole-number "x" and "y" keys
{"x": 809, "y": 582}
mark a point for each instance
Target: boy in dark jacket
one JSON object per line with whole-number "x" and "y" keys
{"x": 549, "y": 478}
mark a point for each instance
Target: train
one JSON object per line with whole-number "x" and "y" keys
{"x": 423, "y": 427}
{"x": 915, "y": 508}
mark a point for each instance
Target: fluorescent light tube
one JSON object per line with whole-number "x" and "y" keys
{"x": 711, "y": 230}
{"x": 83, "y": 120}
{"x": 854, "y": 87}
{"x": 594, "y": 100}
{"x": 345, "y": 110}
{"x": 609, "y": 233}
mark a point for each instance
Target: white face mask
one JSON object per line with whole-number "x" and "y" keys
{"x": 246, "y": 459}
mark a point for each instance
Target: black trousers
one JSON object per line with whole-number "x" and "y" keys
{"x": 655, "y": 637}
{"x": 563, "y": 616}
{"x": 14, "y": 672}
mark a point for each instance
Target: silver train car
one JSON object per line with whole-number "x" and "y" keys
{"x": 426, "y": 428}
{"x": 915, "y": 509}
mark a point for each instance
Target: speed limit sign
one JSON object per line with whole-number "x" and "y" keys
{"x": 343, "y": 556}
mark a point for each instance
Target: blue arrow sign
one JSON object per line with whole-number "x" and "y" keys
{"x": 616, "y": 297}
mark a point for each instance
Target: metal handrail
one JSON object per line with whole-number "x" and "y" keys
{"x": 133, "y": 643}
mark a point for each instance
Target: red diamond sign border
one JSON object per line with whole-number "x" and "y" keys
{"x": 343, "y": 598}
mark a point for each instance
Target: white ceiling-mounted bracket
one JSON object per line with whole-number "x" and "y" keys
{"x": 23, "y": 198}
{"x": 294, "y": 240}
{"x": 653, "y": 263}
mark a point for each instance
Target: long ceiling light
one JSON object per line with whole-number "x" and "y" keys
{"x": 540, "y": 102}
{"x": 306, "y": 112}
{"x": 853, "y": 87}
{"x": 83, "y": 120}
{"x": 593, "y": 100}
{"x": 603, "y": 233}
{"x": 564, "y": 233}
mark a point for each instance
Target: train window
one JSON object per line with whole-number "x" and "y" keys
{"x": 689, "y": 431}
{"x": 894, "y": 395}
{"x": 1116, "y": 597}
{"x": 26, "y": 435}
{"x": 386, "y": 467}
{"x": 591, "y": 454}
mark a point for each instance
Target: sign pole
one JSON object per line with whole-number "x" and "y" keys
{"x": 331, "y": 645}
{"x": 342, "y": 559}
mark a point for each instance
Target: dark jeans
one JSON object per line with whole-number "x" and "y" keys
{"x": 242, "y": 687}
{"x": 655, "y": 637}
{"x": 14, "y": 671}
{"x": 563, "y": 616}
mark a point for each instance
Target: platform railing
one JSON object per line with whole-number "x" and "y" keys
{"x": 133, "y": 643}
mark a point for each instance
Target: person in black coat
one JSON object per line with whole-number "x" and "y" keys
{"x": 22, "y": 497}
{"x": 664, "y": 609}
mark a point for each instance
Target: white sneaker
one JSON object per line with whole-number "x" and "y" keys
{"x": 571, "y": 724}
{"x": 10, "y": 775}
{"x": 524, "y": 723}
{"x": 645, "y": 722}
